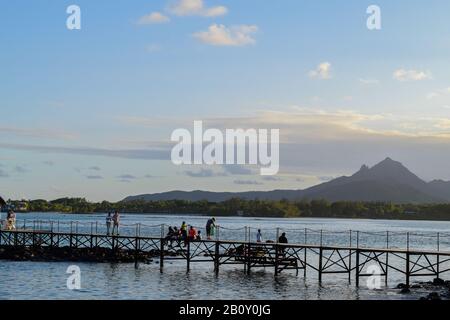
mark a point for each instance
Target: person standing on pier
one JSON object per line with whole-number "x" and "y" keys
{"x": 210, "y": 225}
{"x": 259, "y": 236}
{"x": 184, "y": 235}
{"x": 11, "y": 220}
{"x": 116, "y": 221}
{"x": 108, "y": 223}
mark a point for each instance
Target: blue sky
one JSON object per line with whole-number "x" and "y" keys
{"x": 89, "y": 112}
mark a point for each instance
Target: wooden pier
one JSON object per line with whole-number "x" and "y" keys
{"x": 322, "y": 260}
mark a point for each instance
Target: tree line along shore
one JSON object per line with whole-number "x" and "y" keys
{"x": 248, "y": 208}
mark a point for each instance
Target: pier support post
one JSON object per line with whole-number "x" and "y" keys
{"x": 304, "y": 256}
{"x": 438, "y": 262}
{"x": 320, "y": 264}
{"x": 387, "y": 259}
{"x": 350, "y": 252}
{"x": 357, "y": 268}
{"x": 387, "y": 269}
{"x": 216, "y": 258}
{"x": 161, "y": 255}
{"x": 188, "y": 256}
{"x": 136, "y": 253}
{"x": 248, "y": 252}
{"x": 277, "y": 251}
{"x": 408, "y": 274}
{"x": 113, "y": 245}
{"x": 350, "y": 259}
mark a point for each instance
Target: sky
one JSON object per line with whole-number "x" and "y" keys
{"x": 89, "y": 113}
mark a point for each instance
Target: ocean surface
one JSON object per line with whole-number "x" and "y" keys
{"x": 42, "y": 280}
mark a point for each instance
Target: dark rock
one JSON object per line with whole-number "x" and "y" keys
{"x": 438, "y": 282}
{"x": 434, "y": 296}
{"x": 405, "y": 291}
{"x": 401, "y": 286}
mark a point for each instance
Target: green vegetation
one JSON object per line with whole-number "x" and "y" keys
{"x": 251, "y": 208}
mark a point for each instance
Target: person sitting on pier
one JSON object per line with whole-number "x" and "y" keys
{"x": 116, "y": 222}
{"x": 171, "y": 236}
{"x": 108, "y": 223}
{"x": 199, "y": 236}
{"x": 176, "y": 233}
{"x": 283, "y": 240}
{"x": 192, "y": 234}
{"x": 259, "y": 236}
{"x": 210, "y": 225}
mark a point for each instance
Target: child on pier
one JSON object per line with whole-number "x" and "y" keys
{"x": 192, "y": 234}
{"x": 11, "y": 221}
{"x": 259, "y": 236}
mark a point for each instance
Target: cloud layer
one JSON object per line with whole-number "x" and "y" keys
{"x": 323, "y": 71}
{"x": 196, "y": 8}
{"x": 411, "y": 75}
{"x": 153, "y": 18}
{"x": 220, "y": 35}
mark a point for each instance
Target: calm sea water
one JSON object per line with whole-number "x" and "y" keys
{"x": 36, "y": 280}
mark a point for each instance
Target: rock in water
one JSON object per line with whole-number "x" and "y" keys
{"x": 402, "y": 286}
{"x": 405, "y": 291}
{"x": 434, "y": 296}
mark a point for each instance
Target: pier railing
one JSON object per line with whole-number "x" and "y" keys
{"x": 351, "y": 253}
{"x": 437, "y": 241}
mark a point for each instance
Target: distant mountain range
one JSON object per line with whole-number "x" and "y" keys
{"x": 388, "y": 181}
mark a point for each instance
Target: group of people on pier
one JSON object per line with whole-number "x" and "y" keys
{"x": 186, "y": 234}
{"x": 114, "y": 221}
{"x": 281, "y": 239}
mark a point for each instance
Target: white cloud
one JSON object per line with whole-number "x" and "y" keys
{"x": 153, "y": 18}
{"x": 323, "y": 71}
{"x": 220, "y": 35}
{"x": 196, "y": 8}
{"x": 411, "y": 75}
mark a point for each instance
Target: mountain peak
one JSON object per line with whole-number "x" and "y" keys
{"x": 389, "y": 171}
{"x": 364, "y": 167}
{"x": 389, "y": 160}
